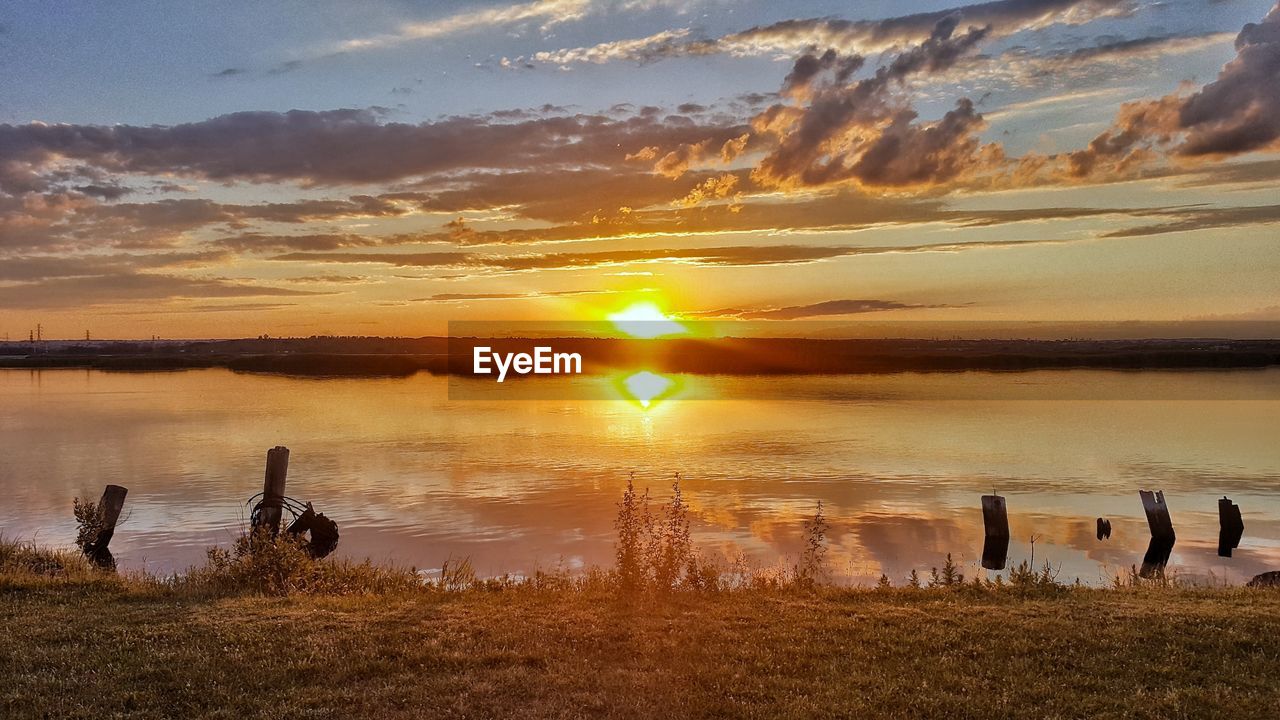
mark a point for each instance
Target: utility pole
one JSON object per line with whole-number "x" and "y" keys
{"x": 86, "y": 336}
{"x": 39, "y": 332}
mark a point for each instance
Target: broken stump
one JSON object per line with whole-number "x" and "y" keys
{"x": 1231, "y": 527}
{"x": 1162, "y": 535}
{"x": 995, "y": 521}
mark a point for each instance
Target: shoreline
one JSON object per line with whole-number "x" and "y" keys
{"x": 365, "y": 357}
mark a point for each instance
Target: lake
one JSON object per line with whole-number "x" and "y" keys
{"x": 898, "y": 461}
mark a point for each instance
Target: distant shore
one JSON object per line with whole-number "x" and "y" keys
{"x": 398, "y": 357}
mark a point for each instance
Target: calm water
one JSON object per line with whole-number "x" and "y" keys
{"x": 898, "y": 461}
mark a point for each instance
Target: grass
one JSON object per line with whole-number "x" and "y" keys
{"x": 73, "y": 650}
{"x": 262, "y": 630}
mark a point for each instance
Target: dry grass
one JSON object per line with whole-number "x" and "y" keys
{"x": 71, "y": 650}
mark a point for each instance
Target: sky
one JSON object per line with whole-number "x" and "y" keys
{"x": 382, "y": 168}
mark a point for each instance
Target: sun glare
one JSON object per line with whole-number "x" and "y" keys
{"x": 645, "y": 320}
{"x": 646, "y": 387}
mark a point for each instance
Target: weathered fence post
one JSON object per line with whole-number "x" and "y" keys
{"x": 272, "y": 505}
{"x": 109, "y": 508}
{"x": 1162, "y": 536}
{"x": 1231, "y": 527}
{"x": 995, "y": 521}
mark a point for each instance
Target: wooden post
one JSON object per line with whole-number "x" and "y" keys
{"x": 272, "y": 505}
{"x": 1231, "y": 527}
{"x": 995, "y": 521}
{"x": 110, "y": 506}
{"x": 1162, "y": 536}
{"x": 1157, "y": 514}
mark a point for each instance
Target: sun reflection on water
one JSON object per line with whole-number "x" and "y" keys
{"x": 646, "y": 387}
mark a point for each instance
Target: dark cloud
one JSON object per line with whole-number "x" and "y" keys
{"x": 82, "y": 292}
{"x": 31, "y": 268}
{"x": 338, "y": 146}
{"x": 822, "y": 309}
{"x": 866, "y": 131}
{"x": 1239, "y": 112}
{"x": 1244, "y": 173}
{"x": 266, "y": 242}
{"x": 809, "y": 67}
{"x": 68, "y": 221}
{"x": 105, "y": 192}
{"x": 1204, "y": 219}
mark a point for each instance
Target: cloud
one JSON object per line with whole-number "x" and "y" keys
{"x": 642, "y": 50}
{"x": 821, "y": 309}
{"x": 1022, "y": 67}
{"x": 31, "y": 268}
{"x": 468, "y": 297}
{"x": 722, "y": 256}
{"x": 1240, "y": 111}
{"x": 548, "y": 12}
{"x": 336, "y": 147}
{"x": 1237, "y": 113}
{"x": 79, "y": 292}
{"x": 264, "y": 242}
{"x": 235, "y": 307}
{"x": 1204, "y": 219}
{"x": 104, "y": 192}
{"x": 866, "y": 131}
{"x": 827, "y": 212}
{"x": 849, "y": 37}
{"x": 66, "y": 220}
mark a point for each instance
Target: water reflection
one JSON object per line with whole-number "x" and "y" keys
{"x": 646, "y": 388}
{"x": 414, "y": 478}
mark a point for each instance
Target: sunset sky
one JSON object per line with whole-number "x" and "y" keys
{"x": 380, "y": 168}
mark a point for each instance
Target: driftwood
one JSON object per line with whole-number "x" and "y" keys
{"x": 1231, "y": 527}
{"x": 995, "y": 521}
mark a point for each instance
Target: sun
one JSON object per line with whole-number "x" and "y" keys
{"x": 645, "y": 320}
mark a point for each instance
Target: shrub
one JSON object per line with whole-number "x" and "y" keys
{"x": 259, "y": 564}
{"x": 26, "y": 558}
{"x": 812, "y": 568}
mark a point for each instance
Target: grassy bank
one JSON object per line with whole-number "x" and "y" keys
{"x": 79, "y": 642}
{"x": 72, "y": 650}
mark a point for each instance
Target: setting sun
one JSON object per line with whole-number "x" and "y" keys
{"x": 645, "y": 320}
